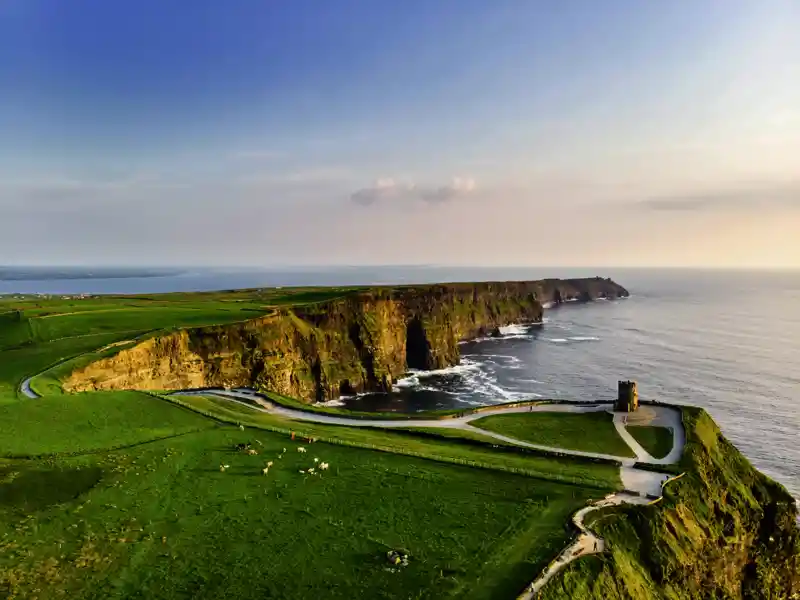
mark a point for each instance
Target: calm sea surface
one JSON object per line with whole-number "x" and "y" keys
{"x": 726, "y": 341}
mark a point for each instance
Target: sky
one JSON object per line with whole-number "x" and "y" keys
{"x": 453, "y": 132}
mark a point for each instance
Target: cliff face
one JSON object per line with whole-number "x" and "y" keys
{"x": 724, "y": 530}
{"x": 361, "y": 342}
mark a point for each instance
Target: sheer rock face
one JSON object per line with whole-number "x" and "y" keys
{"x": 360, "y": 342}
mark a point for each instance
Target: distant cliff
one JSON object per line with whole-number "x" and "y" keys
{"x": 360, "y": 342}
{"x": 724, "y": 530}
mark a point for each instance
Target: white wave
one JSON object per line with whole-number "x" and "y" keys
{"x": 464, "y": 366}
{"x": 548, "y": 304}
{"x": 558, "y": 340}
{"x": 584, "y": 338}
{"x": 405, "y": 383}
{"x": 529, "y": 380}
{"x": 335, "y": 402}
{"x": 414, "y": 376}
{"x": 513, "y": 329}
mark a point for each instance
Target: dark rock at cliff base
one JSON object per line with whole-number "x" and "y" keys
{"x": 362, "y": 341}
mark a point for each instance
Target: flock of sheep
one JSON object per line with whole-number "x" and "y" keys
{"x": 314, "y": 470}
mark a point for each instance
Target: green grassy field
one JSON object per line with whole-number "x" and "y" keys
{"x": 656, "y": 440}
{"x": 564, "y": 470}
{"x": 120, "y": 494}
{"x": 89, "y": 422}
{"x": 589, "y": 432}
{"x": 158, "y": 519}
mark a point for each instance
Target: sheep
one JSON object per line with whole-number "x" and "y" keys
{"x": 241, "y": 427}
{"x": 323, "y": 466}
{"x": 252, "y": 451}
{"x": 265, "y": 470}
{"x": 301, "y": 449}
{"x": 303, "y": 472}
{"x": 223, "y": 468}
{"x": 269, "y": 464}
{"x": 316, "y": 460}
{"x": 311, "y": 470}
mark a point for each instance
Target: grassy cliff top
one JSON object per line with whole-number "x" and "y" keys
{"x": 723, "y": 530}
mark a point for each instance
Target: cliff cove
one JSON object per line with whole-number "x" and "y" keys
{"x": 362, "y": 341}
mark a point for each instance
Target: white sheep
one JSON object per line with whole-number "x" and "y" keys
{"x": 303, "y": 472}
{"x": 265, "y": 470}
{"x": 252, "y": 451}
{"x": 316, "y": 460}
{"x": 222, "y": 468}
{"x": 269, "y": 464}
{"x": 311, "y": 470}
{"x": 323, "y": 466}
{"x": 301, "y": 449}
{"x": 241, "y": 427}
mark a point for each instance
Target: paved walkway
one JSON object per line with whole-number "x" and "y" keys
{"x": 250, "y": 397}
{"x": 586, "y": 543}
{"x": 25, "y": 388}
{"x": 653, "y": 416}
{"x": 641, "y": 486}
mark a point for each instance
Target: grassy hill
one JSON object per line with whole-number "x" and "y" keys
{"x": 724, "y": 530}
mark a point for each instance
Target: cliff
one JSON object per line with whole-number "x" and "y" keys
{"x": 360, "y": 342}
{"x": 724, "y": 530}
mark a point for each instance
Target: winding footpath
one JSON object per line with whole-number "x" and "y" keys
{"x": 640, "y": 486}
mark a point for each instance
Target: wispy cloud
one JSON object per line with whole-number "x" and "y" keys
{"x": 745, "y": 198}
{"x": 387, "y": 189}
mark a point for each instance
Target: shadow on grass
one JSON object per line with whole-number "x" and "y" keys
{"x": 30, "y": 490}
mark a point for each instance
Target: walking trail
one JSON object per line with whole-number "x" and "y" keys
{"x": 640, "y": 486}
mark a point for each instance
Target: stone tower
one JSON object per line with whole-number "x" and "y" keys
{"x": 627, "y": 397}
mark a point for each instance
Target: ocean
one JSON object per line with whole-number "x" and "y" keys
{"x": 728, "y": 341}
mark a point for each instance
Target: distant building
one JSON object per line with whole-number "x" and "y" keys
{"x": 627, "y": 397}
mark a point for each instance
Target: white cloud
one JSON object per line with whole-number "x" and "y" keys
{"x": 387, "y": 189}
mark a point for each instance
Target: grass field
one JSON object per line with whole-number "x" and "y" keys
{"x": 589, "y": 432}
{"x": 120, "y": 494}
{"x": 160, "y": 520}
{"x": 89, "y": 422}
{"x": 552, "y": 468}
{"x": 656, "y": 440}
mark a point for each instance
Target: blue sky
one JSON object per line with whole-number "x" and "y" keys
{"x": 375, "y": 131}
